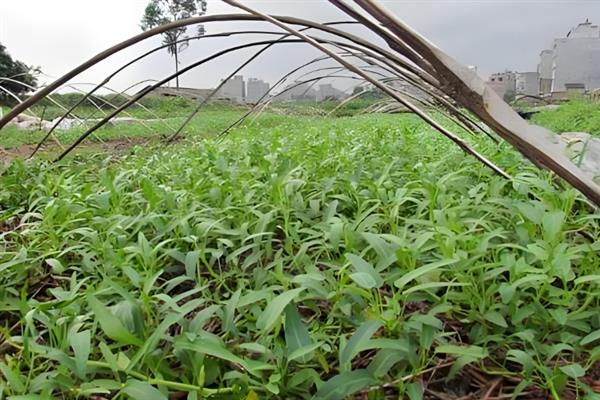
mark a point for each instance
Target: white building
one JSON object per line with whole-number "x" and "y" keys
{"x": 545, "y": 71}
{"x": 234, "y": 89}
{"x": 528, "y": 83}
{"x": 575, "y": 60}
{"x": 256, "y": 89}
{"x": 295, "y": 91}
{"x": 504, "y": 83}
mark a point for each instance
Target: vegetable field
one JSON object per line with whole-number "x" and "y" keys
{"x": 302, "y": 257}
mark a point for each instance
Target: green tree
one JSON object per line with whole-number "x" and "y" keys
{"x": 15, "y": 70}
{"x": 160, "y": 12}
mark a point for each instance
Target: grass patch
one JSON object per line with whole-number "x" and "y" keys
{"x": 574, "y": 116}
{"x": 213, "y": 118}
{"x": 208, "y": 123}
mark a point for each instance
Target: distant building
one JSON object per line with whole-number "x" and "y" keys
{"x": 545, "y": 71}
{"x": 256, "y": 89}
{"x": 505, "y": 84}
{"x": 328, "y": 92}
{"x": 528, "y": 83}
{"x": 234, "y": 89}
{"x": 303, "y": 92}
{"x": 408, "y": 89}
{"x": 573, "y": 60}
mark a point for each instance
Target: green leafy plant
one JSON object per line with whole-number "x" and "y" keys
{"x": 299, "y": 257}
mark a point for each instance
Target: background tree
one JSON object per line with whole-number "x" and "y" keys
{"x": 16, "y": 70}
{"x": 160, "y": 12}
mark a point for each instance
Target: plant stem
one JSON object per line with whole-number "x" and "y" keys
{"x": 170, "y": 384}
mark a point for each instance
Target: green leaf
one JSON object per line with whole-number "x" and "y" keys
{"x": 521, "y": 357}
{"x": 229, "y": 313}
{"x": 202, "y": 317}
{"x": 131, "y": 316}
{"x": 522, "y": 313}
{"x": 573, "y": 370}
{"x": 144, "y": 246}
{"x": 384, "y": 360}
{"x": 273, "y": 311}
{"x": 552, "y": 351}
{"x": 540, "y": 252}
{"x": 110, "y": 358}
{"x": 343, "y": 385}
{"x": 304, "y": 353}
{"x": 296, "y": 333}
{"x": 560, "y": 315}
{"x": 272, "y": 387}
{"x": 252, "y": 395}
{"x": 507, "y": 292}
{"x": 12, "y": 263}
{"x": 552, "y": 223}
{"x": 425, "y": 269}
{"x": 364, "y": 268}
{"x": 191, "y": 260}
{"x": 81, "y": 344}
{"x": 471, "y": 351}
{"x": 428, "y": 319}
{"x": 414, "y": 391}
{"x": 110, "y": 324}
{"x": 592, "y": 337}
{"x": 459, "y": 364}
{"x": 495, "y": 318}
{"x": 209, "y": 347}
{"x": 534, "y": 213}
{"x": 587, "y": 278}
{"x": 137, "y": 390}
{"x": 56, "y": 265}
{"x": 254, "y": 348}
{"x": 122, "y": 361}
{"x": 14, "y": 379}
{"x": 214, "y": 349}
{"x": 384, "y": 343}
{"x": 386, "y": 252}
{"x": 254, "y": 296}
{"x": 363, "y": 280}
{"x": 356, "y": 342}
{"x": 152, "y": 342}
{"x": 433, "y": 285}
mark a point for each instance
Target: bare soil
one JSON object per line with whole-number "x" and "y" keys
{"x": 52, "y": 149}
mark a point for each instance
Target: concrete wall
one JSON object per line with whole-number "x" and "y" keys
{"x": 576, "y": 60}
{"x": 584, "y": 30}
{"x": 256, "y": 89}
{"x": 573, "y": 59}
{"x": 545, "y": 71}
{"x": 545, "y": 86}
{"x": 545, "y": 65}
{"x": 234, "y": 89}
{"x": 505, "y": 84}
{"x": 527, "y": 83}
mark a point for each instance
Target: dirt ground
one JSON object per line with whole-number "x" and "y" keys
{"x": 52, "y": 150}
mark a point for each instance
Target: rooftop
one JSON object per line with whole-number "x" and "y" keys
{"x": 584, "y": 30}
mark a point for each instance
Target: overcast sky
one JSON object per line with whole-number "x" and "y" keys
{"x": 494, "y": 35}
